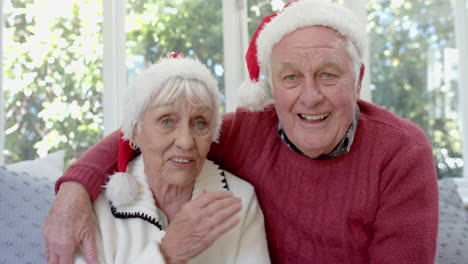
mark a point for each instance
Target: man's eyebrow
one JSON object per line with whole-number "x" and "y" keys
{"x": 332, "y": 65}
{"x": 321, "y": 64}
{"x": 287, "y": 64}
{"x": 329, "y": 63}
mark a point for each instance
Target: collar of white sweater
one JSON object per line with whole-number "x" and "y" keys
{"x": 130, "y": 195}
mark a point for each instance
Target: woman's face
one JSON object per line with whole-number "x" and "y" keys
{"x": 174, "y": 140}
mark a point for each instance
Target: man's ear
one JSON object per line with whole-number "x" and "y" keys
{"x": 362, "y": 69}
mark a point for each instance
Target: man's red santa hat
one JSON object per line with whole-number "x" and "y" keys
{"x": 295, "y": 15}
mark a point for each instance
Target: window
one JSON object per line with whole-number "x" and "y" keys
{"x": 55, "y": 66}
{"x": 52, "y": 77}
{"x": 414, "y": 71}
{"x": 158, "y": 27}
{"x": 258, "y": 9}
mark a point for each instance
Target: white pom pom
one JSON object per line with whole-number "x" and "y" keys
{"x": 252, "y": 95}
{"x": 122, "y": 189}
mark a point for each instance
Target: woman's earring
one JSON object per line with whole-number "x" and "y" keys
{"x": 133, "y": 145}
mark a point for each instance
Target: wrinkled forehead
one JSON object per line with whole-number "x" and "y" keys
{"x": 182, "y": 110}
{"x": 182, "y": 103}
{"x": 178, "y": 91}
{"x": 312, "y": 36}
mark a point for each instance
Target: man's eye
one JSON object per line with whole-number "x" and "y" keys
{"x": 290, "y": 77}
{"x": 328, "y": 75}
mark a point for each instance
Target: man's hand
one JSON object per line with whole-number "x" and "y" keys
{"x": 198, "y": 224}
{"x": 69, "y": 224}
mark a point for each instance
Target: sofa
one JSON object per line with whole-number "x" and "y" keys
{"x": 452, "y": 236}
{"x": 27, "y": 192}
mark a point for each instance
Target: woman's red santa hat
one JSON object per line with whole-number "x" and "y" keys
{"x": 295, "y": 15}
{"x": 122, "y": 187}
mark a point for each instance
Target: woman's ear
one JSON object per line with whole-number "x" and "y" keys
{"x": 134, "y": 140}
{"x": 136, "y": 133}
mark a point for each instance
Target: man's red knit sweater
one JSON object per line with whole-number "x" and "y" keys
{"x": 376, "y": 204}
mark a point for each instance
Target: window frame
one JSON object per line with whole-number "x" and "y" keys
{"x": 236, "y": 42}
{"x": 114, "y": 68}
{"x": 2, "y": 103}
{"x": 461, "y": 26}
{"x": 114, "y": 72}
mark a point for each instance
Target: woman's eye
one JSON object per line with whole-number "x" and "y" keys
{"x": 166, "y": 122}
{"x": 201, "y": 127}
{"x": 200, "y": 124}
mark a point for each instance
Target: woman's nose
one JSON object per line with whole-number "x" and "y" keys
{"x": 184, "y": 137}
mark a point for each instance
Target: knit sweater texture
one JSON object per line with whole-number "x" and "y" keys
{"x": 376, "y": 204}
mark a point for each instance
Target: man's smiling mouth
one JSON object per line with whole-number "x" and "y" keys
{"x": 309, "y": 118}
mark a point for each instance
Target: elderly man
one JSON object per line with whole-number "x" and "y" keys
{"x": 339, "y": 180}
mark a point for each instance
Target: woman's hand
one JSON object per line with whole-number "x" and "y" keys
{"x": 198, "y": 224}
{"x": 70, "y": 224}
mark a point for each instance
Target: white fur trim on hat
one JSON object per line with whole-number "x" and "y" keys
{"x": 309, "y": 13}
{"x": 252, "y": 95}
{"x": 151, "y": 80}
{"x": 122, "y": 189}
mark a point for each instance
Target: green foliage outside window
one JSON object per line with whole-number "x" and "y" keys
{"x": 53, "y": 64}
{"x": 156, "y": 28}
{"x": 52, "y": 77}
{"x": 409, "y": 41}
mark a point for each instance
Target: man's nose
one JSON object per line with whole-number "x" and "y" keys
{"x": 311, "y": 93}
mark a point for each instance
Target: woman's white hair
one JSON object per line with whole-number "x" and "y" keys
{"x": 166, "y": 82}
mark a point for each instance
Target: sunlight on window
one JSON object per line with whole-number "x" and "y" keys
{"x": 157, "y": 28}
{"x": 277, "y": 5}
{"x": 52, "y": 77}
{"x": 397, "y": 3}
{"x": 414, "y": 66}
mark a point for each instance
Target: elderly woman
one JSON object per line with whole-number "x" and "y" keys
{"x": 170, "y": 204}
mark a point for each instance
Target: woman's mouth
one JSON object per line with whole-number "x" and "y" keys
{"x": 181, "y": 160}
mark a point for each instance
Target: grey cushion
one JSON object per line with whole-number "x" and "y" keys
{"x": 452, "y": 238}
{"x": 24, "y": 203}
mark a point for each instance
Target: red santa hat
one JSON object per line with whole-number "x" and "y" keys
{"x": 122, "y": 187}
{"x": 295, "y": 15}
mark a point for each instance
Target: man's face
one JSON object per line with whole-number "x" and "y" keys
{"x": 314, "y": 88}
